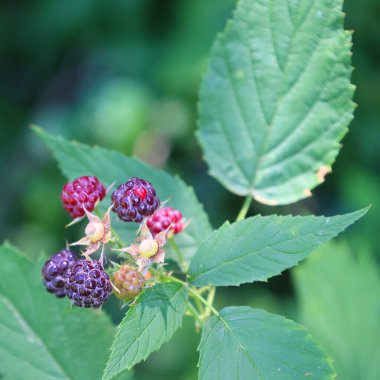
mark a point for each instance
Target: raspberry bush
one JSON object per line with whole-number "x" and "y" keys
{"x": 275, "y": 103}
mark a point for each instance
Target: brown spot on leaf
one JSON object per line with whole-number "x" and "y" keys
{"x": 322, "y": 172}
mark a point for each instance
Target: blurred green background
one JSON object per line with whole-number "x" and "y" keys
{"x": 124, "y": 74}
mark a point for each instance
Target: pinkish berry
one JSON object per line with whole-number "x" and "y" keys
{"x": 165, "y": 218}
{"x": 54, "y": 271}
{"x": 129, "y": 282}
{"x": 87, "y": 285}
{"x": 80, "y": 194}
{"x": 134, "y": 200}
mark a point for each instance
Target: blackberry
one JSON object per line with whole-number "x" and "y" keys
{"x": 134, "y": 200}
{"x": 54, "y": 271}
{"x": 164, "y": 218}
{"x": 129, "y": 282}
{"x": 87, "y": 285}
{"x": 80, "y": 194}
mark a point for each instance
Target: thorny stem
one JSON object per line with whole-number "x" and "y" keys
{"x": 244, "y": 208}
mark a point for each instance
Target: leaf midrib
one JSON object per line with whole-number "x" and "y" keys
{"x": 240, "y": 345}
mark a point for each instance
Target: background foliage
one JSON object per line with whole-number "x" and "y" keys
{"x": 125, "y": 75}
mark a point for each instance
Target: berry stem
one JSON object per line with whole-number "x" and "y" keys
{"x": 181, "y": 258}
{"x": 194, "y": 294}
{"x": 244, "y": 209}
{"x": 195, "y": 314}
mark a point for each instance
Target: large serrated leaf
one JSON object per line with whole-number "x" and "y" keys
{"x": 147, "y": 325}
{"x": 260, "y": 247}
{"x": 249, "y": 344}
{"x": 277, "y": 99}
{"x": 76, "y": 159}
{"x": 40, "y": 339}
{"x": 340, "y": 305}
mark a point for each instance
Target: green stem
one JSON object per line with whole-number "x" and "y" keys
{"x": 181, "y": 258}
{"x": 195, "y": 294}
{"x": 194, "y": 312}
{"x": 244, "y": 208}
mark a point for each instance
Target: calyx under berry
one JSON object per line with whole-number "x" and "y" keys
{"x": 148, "y": 249}
{"x": 98, "y": 233}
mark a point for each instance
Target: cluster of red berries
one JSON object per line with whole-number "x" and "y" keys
{"x": 85, "y": 282}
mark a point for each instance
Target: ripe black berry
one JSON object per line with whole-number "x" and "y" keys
{"x": 54, "y": 271}
{"x": 87, "y": 285}
{"x": 165, "y": 218}
{"x": 135, "y": 200}
{"x": 128, "y": 281}
{"x": 80, "y": 194}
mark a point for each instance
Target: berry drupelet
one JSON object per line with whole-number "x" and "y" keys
{"x": 135, "y": 200}
{"x": 80, "y": 194}
{"x": 87, "y": 285}
{"x": 166, "y": 218}
{"x": 54, "y": 271}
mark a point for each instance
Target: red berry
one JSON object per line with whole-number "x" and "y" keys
{"x": 80, "y": 194}
{"x": 134, "y": 200}
{"x": 164, "y": 218}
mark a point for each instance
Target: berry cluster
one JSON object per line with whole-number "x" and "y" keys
{"x": 84, "y": 281}
{"x": 134, "y": 200}
{"x": 81, "y": 194}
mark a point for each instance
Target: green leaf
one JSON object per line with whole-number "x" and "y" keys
{"x": 258, "y": 248}
{"x": 40, "y": 339}
{"x": 277, "y": 99}
{"x": 248, "y": 344}
{"x": 148, "y": 324}
{"x": 340, "y": 305}
{"x": 77, "y": 159}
